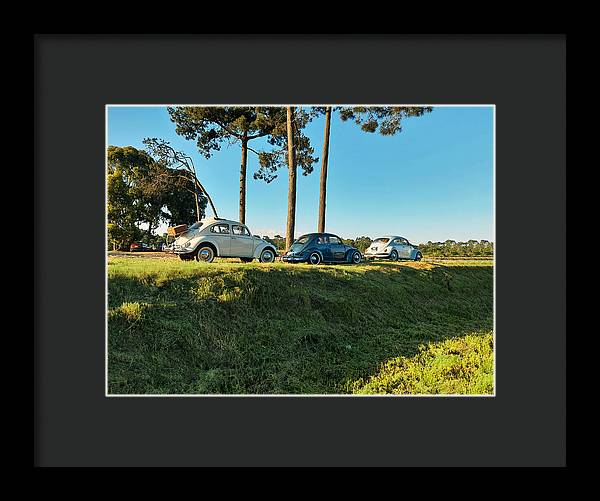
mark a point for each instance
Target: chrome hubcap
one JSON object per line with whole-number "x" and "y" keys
{"x": 314, "y": 259}
{"x": 267, "y": 256}
{"x": 205, "y": 254}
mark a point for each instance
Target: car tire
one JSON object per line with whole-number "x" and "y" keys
{"x": 205, "y": 254}
{"x": 267, "y": 256}
{"x": 418, "y": 256}
{"x": 356, "y": 257}
{"x": 394, "y": 255}
{"x": 314, "y": 258}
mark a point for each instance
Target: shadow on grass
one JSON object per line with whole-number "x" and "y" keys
{"x": 284, "y": 329}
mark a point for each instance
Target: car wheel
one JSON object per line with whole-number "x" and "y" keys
{"x": 314, "y": 258}
{"x": 206, "y": 255}
{"x": 267, "y": 256}
{"x": 356, "y": 258}
{"x": 394, "y": 256}
{"x": 418, "y": 256}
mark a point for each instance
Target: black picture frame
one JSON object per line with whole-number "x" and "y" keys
{"x": 75, "y": 76}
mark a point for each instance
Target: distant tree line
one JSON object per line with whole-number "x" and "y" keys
{"x": 278, "y": 241}
{"x": 449, "y": 248}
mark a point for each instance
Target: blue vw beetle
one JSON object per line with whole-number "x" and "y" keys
{"x": 316, "y": 248}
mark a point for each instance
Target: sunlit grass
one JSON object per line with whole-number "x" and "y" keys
{"x": 462, "y": 365}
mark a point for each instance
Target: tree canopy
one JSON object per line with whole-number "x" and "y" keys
{"x": 212, "y": 126}
{"x": 144, "y": 192}
{"x": 386, "y": 120}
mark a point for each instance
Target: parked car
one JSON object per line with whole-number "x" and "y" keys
{"x": 212, "y": 237}
{"x": 393, "y": 247}
{"x": 139, "y": 247}
{"x": 316, "y": 248}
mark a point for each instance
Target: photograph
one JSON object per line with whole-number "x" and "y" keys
{"x": 300, "y": 249}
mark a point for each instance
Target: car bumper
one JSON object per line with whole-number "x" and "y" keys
{"x": 378, "y": 255}
{"x": 180, "y": 249}
{"x": 294, "y": 259}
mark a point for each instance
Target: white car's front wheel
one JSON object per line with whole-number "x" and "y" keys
{"x": 267, "y": 256}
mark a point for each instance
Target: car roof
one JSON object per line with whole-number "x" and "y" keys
{"x": 319, "y": 235}
{"x": 212, "y": 220}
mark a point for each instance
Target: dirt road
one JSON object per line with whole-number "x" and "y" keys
{"x": 152, "y": 255}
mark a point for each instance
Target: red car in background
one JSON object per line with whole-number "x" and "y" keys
{"x": 139, "y": 247}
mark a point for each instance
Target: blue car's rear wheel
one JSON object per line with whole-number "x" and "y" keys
{"x": 314, "y": 258}
{"x": 418, "y": 256}
{"x": 356, "y": 257}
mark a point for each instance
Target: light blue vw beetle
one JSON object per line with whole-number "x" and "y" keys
{"x": 212, "y": 237}
{"x": 393, "y": 247}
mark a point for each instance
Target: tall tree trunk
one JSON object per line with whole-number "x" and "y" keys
{"x": 323, "y": 190}
{"x": 243, "y": 178}
{"x": 291, "y": 216}
{"x": 197, "y": 202}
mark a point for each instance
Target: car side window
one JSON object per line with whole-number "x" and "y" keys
{"x": 404, "y": 241}
{"x": 239, "y": 230}
{"x": 322, "y": 240}
{"x": 398, "y": 241}
{"x": 334, "y": 240}
{"x": 220, "y": 228}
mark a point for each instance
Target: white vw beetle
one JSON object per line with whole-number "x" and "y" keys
{"x": 212, "y": 237}
{"x": 393, "y": 247}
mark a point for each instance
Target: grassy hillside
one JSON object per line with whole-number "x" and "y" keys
{"x": 179, "y": 327}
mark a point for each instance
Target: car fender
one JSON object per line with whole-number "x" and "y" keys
{"x": 349, "y": 253}
{"x": 201, "y": 240}
{"x": 413, "y": 253}
{"x": 261, "y": 247}
{"x": 312, "y": 249}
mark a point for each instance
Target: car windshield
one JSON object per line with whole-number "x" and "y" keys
{"x": 298, "y": 244}
{"x": 381, "y": 240}
{"x": 196, "y": 225}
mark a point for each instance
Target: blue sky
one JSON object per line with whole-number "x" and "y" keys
{"x": 432, "y": 181}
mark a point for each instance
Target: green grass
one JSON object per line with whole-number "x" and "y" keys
{"x": 462, "y": 365}
{"x": 230, "y": 328}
